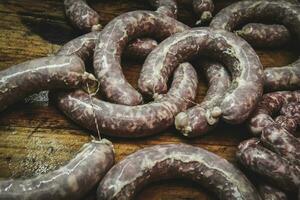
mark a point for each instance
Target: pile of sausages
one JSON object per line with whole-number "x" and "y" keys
{"x": 237, "y": 83}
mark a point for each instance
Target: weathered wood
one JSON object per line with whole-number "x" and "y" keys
{"x": 35, "y": 137}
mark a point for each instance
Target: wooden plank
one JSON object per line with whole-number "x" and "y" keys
{"x": 35, "y": 137}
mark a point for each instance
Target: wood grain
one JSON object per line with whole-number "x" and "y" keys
{"x": 35, "y": 137}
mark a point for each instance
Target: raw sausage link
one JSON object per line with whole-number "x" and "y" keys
{"x": 270, "y": 104}
{"x": 283, "y": 78}
{"x": 165, "y": 7}
{"x": 281, "y": 142}
{"x": 281, "y": 11}
{"x": 114, "y": 38}
{"x": 199, "y": 119}
{"x": 82, "y": 16}
{"x": 268, "y": 192}
{"x": 132, "y": 121}
{"x": 203, "y": 9}
{"x": 268, "y": 164}
{"x": 83, "y": 46}
{"x": 71, "y": 181}
{"x": 54, "y": 72}
{"x": 159, "y": 162}
{"x": 265, "y": 36}
{"x": 234, "y": 52}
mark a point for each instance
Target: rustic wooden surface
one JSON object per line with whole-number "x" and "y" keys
{"x": 35, "y": 137}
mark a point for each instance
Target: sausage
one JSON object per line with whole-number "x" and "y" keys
{"x": 132, "y": 121}
{"x": 268, "y": 192}
{"x": 277, "y": 155}
{"x": 265, "y": 36}
{"x": 283, "y": 78}
{"x": 82, "y": 16}
{"x": 270, "y": 104}
{"x": 280, "y": 11}
{"x": 85, "y": 18}
{"x": 217, "y": 75}
{"x": 165, "y": 7}
{"x": 268, "y": 164}
{"x": 288, "y": 123}
{"x": 71, "y": 181}
{"x": 113, "y": 39}
{"x": 201, "y": 118}
{"x": 140, "y": 48}
{"x": 56, "y": 72}
{"x": 289, "y": 117}
{"x": 247, "y": 74}
{"x": 281, "y": 142}
{"x": 203, "y": 9}
{"x": 167, "y": 161}
{"x": 83, "y": 46}
{"x": 291, "y": 109}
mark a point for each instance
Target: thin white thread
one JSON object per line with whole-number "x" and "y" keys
{"x": 187, "y": 100}
{"x": 182, "y": 98}
{"x": 94, "y": 114}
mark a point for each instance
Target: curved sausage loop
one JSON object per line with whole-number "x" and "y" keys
{"x": 71, "y": 181}
{"x": 276, "y": 155}
{"x": 56, "y": 72}
{"x": 132, "y": 121}
{"x": 113, "y": 40}
{"x": 202, "y": 118}
{"x": 193, "y": 122}
{"x": 86, "y": 19}
{"x": 256, "y": 157}
{"x": 281, "y": 11}
{"x": 277, "y": 139}
{"x": 235, "y": 53}
{"x": 161, "y": 162}
{"x": 77, "y": 104}
{"x": 204, "y": 10}
{"x": 270, "y": 104}
{"x": 264, "y": 35}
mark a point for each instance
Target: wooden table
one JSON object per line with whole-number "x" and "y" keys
{"x": 35, "y": 137}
